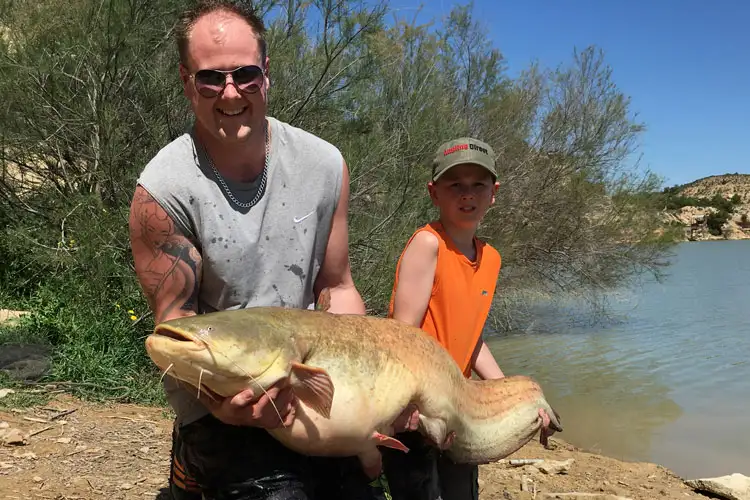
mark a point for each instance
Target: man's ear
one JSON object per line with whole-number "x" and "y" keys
{"x": 185, "y": 78}
{"x": 494, "y": 191}
{"x": 266, "y": 76}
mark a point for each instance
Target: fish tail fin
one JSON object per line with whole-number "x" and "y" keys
{"x": 555, "y": 422}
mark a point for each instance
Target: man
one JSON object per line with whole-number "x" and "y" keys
{"x": 242, "y": 210}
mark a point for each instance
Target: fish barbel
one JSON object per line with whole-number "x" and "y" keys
{"x": 352, "y": 375}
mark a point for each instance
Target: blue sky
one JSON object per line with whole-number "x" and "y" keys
{"x": 684, "y": 63}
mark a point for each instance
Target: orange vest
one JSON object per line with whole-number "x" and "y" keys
{"x": 461, "y": 296}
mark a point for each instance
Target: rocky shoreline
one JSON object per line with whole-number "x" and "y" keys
{"x": 68, "y": 448}
{"x": 692, "y": 220}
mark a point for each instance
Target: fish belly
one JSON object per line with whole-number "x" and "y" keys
{"x": 362, "y": 406}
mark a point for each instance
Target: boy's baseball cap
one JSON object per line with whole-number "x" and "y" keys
{"x": 463, "y": 150}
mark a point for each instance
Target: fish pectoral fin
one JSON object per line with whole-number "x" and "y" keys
{"x": 315, "y": 388}
{"x": 389, "y": 442}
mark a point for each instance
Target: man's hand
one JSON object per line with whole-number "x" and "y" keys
{"x": 273, "y": 409}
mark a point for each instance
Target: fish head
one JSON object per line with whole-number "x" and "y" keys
{"x": 223, "y": 353}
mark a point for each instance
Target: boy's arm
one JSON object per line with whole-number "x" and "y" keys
{"x": 484, "y": 364}
{"x": 415, "y": 279}
{"x": 335, "y": 273}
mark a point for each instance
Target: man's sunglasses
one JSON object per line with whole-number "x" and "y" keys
{"x": 211, "y": 82}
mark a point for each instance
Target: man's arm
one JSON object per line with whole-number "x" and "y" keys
{"x": 167, "y": 264}
{"x": 415, "y": 279}
{"x": 335, "y": 273}
{"x": 484, "y": 364}
{"x": 168, "y": 267}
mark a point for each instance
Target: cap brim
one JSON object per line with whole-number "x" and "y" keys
{"x": 464, "y": 162}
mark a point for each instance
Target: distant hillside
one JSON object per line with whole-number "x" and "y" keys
{"x": 714, "y": 207}
{"x": 726, "y": 185}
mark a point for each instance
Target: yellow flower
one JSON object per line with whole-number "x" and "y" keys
{"x": 133, "y": 317}
{"x": 130, "y": 311}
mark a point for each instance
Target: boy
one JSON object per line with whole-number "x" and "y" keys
{"x": 445, "y": 280}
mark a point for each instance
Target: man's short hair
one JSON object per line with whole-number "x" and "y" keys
{"x": 200, "y": 8}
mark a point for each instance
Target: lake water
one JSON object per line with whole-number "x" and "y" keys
{"x": 669, "y": 381}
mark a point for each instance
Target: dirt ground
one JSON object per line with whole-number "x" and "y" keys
{"x": 68, "y": 449}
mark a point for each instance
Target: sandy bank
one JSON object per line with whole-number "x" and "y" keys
{"x": 68, "y": 442}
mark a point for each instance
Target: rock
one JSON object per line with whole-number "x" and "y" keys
{"x": 126, "y": 486}
{"x": 555, "y": 466}
{"x": 4, "y": 425}
{"x": 732, "y": 487}
{"x": 581, "y": 496}
{"x": 527, "y": 484}
{"x": 25, "y": 361}
{"x": 37, "y": 479}
{"x": 12, "y": 436}
{"x": 9, "y": 316}
{"x": 64, "y": 440}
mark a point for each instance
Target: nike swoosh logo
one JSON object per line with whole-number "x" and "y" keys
{"x": 300, "y": 219}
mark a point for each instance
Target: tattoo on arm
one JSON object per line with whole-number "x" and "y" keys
{"x": 167, "y": 263}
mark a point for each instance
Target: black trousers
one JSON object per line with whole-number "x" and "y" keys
{"x": 225, "y": 462}
{"x": 426, "y": 474}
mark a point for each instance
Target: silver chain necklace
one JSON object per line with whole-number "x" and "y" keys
{"x": 261, "y": 185}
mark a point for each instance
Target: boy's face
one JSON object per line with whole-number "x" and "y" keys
{"x": 463, "y": 194}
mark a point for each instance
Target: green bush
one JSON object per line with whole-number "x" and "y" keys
{"x": 92, "y": 93}
{"x": 715, "y": 221}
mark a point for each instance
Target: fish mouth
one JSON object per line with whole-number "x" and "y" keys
{"x": 176, "y": 334}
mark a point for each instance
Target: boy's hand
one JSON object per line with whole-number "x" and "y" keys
{"x": 273, "y": 409}
{"x": 546, "y": 431}
{"x": 408, "y": 420}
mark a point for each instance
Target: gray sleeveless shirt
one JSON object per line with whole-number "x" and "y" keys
{"x": 269, "y": 254}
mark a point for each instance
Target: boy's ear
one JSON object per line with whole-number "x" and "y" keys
{"x": 433, "y": 193}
